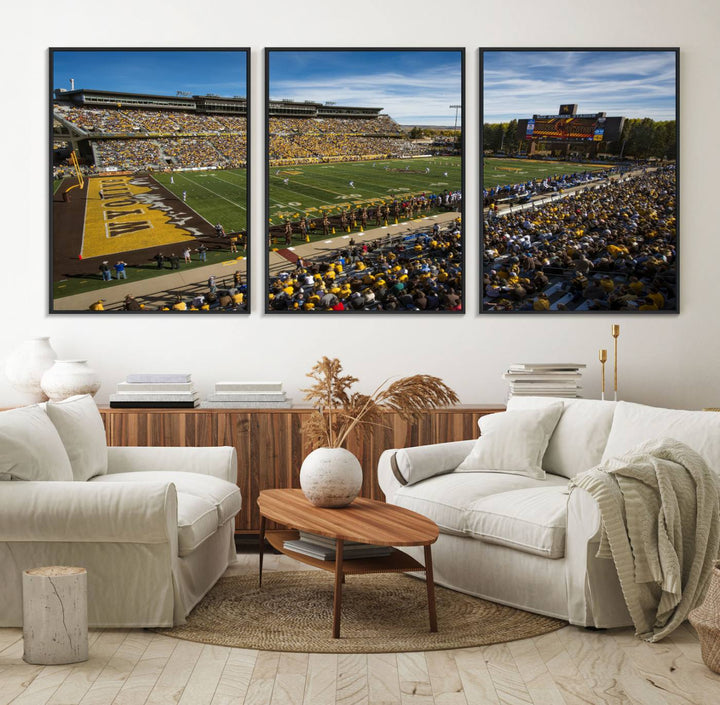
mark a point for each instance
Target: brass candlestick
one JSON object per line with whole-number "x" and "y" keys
{"x": 615, "y": 330}
{"x": 603, "y": 360}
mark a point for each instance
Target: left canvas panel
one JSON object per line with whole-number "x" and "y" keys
{"x": 148, "y": 184}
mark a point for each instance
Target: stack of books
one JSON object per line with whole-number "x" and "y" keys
{"x": 247, "y": 395}
{"x": 323, "y": 548}
{"x": 156, "y": 391}
{"x": 545, "y": 379}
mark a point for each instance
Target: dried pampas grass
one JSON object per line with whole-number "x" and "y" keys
{"x": 338, "y": 410}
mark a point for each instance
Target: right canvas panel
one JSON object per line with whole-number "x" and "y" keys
{"x": 580, "y": 180}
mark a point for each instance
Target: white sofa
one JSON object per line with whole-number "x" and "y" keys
{"x": 529, "y": 542}
{"x": 154, "y": 527}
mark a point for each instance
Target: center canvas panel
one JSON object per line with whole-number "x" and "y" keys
{"x": 364, "y": 155}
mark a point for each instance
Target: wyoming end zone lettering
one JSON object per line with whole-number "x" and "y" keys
{"x": 125, "y": 213}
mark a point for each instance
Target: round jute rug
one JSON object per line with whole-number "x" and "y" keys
{"x": 380, "y": 613}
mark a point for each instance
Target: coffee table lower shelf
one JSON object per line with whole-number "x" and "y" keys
{"x": 396, "y": 562}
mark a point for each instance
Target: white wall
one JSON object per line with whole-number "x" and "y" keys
{"x": 665, "y": 359}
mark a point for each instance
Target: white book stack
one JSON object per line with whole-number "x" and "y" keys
{"x": 247, "y": 395}
{"x": 156, "y": 391}
{"x": 545, "y": 379}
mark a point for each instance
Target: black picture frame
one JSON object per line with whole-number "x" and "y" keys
{"x": 146, "y": 154}
{"x": 279, "y": 105}
{"x": 641, "y": 274}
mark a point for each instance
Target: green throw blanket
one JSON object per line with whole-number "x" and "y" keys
{"x": 660, "y": 524}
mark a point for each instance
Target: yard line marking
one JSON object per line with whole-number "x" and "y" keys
{"x": 213, "y": 192}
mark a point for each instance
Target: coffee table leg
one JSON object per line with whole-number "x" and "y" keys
{"x": 261, "y": 548}
{"x": 337, "y": 598}
{"x": 430, "y": 588}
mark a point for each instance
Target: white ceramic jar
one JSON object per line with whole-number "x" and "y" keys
{"x": 331, "y": 477}
{"x": 66, "y": 378}
{"x": 25, "y": 367}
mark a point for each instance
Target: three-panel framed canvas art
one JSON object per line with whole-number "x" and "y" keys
{"x": 365, "y": 161}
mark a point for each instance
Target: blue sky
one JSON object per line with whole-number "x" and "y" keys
{"x": 634, "y": 84}
{"x": 413, "y": 87}
{"x": 158, "y": 72}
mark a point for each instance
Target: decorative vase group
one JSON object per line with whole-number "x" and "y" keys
{"x": 66, "y": 378}
{"x": 34, "y": 370}
{"x": 331, "y": 477}
{"x": 25, "y": 367}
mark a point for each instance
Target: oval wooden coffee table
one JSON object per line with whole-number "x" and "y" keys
{"x": 366, "y": 521}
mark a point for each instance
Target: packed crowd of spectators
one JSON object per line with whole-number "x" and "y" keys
{"x": 202, "y": 140}
{"x": 418, "y": 272}
{"x": 138, "y": 120}
{"x": 525, "y": 190}
{"x": 317, "y": 138}
{"x": 610, "y": 246}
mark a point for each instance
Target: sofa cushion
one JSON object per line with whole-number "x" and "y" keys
{"x": 532, "y": 520}
{"x": 421, "y": 462}
{"x": 30, "y": 447}
{"x": 513, "y": 442}
{"x": 634, "y": 424}
{"x": 81, "y": 429}
{"x": 223, "y": 495}
{"x": 197, "y": 521}
{"x": 446, "y": 499}
{"x": 580, "y": 437}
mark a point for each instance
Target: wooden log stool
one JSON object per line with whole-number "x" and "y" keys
{"x": 55, "y": 625}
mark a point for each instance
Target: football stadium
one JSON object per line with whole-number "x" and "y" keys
{"x": 363, "y": 214}
{"x": 149, "y": 203}
{"x": 580, "y": 208}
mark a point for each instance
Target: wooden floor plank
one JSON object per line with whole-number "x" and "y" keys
{"x": 562, "y": 667}
{"x": 447, "y": 687}
{"x": 674, "y": 677}
{"x": 235, "y": 678}
{"x": 263, "y": 677}
{"x": 118, "y": 668}
{"x": 289, "y": 686}
{"x": 172, "y": 680}
{"x": 475, "y": 677}
{"x": 534, "y": 672}
{"x": 142, "y": 679}
{"x": 383, "y": 679}
{"x": 415, "y": 686}
{"x": 320, "y": 684}
{"x": 352, "y": 680}
{"x": 509, "y": 684}
{"x": 83, "y": 675}
{"x": 203, "y": 681}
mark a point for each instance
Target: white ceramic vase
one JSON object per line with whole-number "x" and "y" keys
{"x": 66, "y": 378}
{"x": 331, "y": 477}
{"x": 26, "y": 366}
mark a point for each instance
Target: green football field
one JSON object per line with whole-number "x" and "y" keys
{"x": 502, "y": 172}
{"x": 315, "y": 188}
{"x": 218, "y": 196}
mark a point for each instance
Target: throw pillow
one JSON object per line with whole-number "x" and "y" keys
{"x": 513, "y": 442}
{"x": 81, "y": 429}
{"x": 30, "y": 447}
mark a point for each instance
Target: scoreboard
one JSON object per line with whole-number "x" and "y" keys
{"x": 571, "y": 128}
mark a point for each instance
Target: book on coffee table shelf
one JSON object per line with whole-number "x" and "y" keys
{"x": 323, "y": 548}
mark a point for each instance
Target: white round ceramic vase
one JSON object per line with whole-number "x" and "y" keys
{"x": 331, "y": 477}
{"x": 25, "y": 366}
{"x": 66, "y": 378}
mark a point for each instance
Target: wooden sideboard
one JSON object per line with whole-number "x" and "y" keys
{"x": 270, "y": 443}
